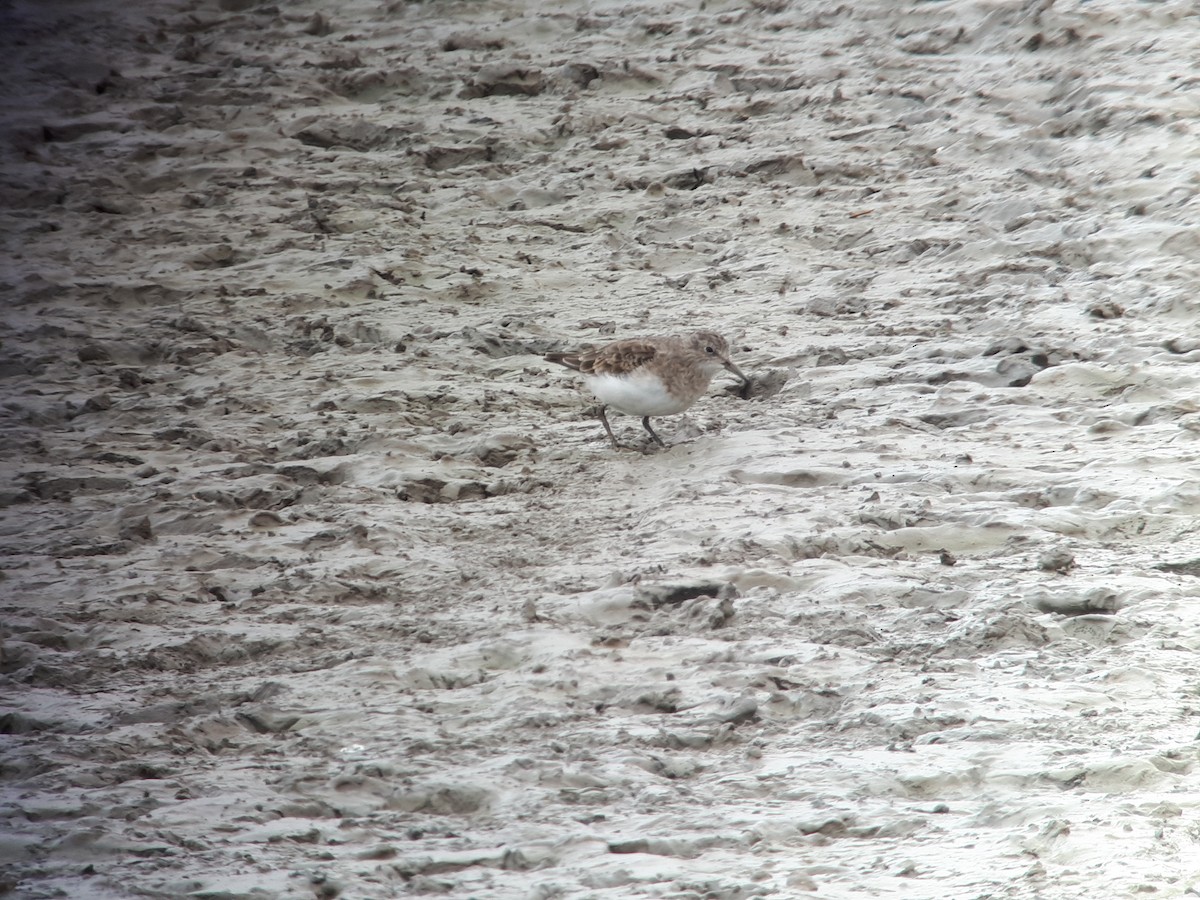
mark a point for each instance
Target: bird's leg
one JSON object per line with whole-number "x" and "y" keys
{"x": 657, "y": 439}
{"x": 612, "y": 437}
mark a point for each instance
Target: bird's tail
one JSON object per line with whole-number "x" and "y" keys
{"x": 570, "y": 360}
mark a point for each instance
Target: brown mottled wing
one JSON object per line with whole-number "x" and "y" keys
{"x": 619, "y": 358}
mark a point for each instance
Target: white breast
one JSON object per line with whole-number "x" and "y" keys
{"x": 638, "y": 394}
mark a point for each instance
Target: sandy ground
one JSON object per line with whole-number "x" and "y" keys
{"x": 318, "y": 581}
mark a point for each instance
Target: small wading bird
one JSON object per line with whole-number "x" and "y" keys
{"x": 651, "y": 376}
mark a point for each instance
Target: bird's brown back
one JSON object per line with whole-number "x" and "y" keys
{"x": 616, "y": 358}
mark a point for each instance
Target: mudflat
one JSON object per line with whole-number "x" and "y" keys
{"x": 319, "y": 581}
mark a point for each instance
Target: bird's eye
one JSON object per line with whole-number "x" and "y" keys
{"x": 711, "y": 351}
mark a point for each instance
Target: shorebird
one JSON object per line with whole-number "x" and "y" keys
{"x": 651, "y": 376}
